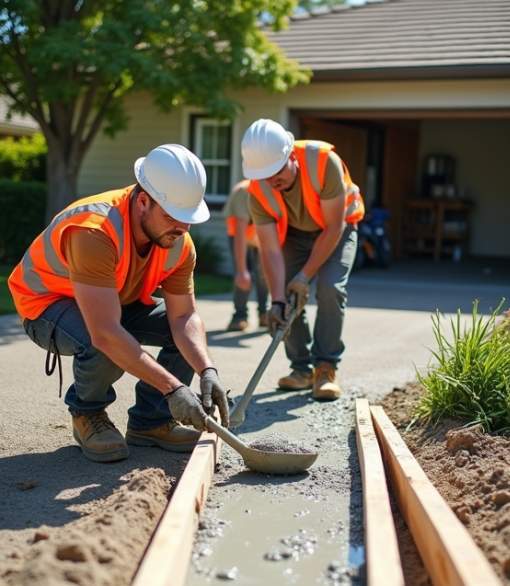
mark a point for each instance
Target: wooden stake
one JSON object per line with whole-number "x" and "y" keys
{"x": 448, "y": 552}
{"x": 167, "y": 558}
{"x": 384, "y": 567}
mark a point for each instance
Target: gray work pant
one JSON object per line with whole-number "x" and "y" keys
{"x": 326, "y": 345}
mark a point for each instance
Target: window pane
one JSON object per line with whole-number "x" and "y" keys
{"x": 223, "y": 142}
{"x": 209, "y": 169}
{"x": 223, "y": 180}
{"x": 208, "y": 132}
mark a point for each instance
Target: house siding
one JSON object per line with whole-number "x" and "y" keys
{"x": 109, "y": 164}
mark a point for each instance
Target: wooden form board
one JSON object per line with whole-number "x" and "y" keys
{"x": 384, "y": 567}
{"x": 447, "y": 550}
{"x": 167, "y": 558}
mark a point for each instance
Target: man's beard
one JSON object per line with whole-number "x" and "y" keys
{"x": 161, "y": 240}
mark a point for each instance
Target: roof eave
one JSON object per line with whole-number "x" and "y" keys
{"x": 413, "y": 73}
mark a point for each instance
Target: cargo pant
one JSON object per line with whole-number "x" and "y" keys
{"x": 303, "y": 349}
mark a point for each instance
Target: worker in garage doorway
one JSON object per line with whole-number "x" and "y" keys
{"x": 245, "y": 253}
{"x": 305, "y": 208}
{"x": 85, "y": 289}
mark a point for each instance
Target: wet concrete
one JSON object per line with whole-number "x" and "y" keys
{"x": 388, "y": 333}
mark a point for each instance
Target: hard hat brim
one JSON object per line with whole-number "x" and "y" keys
{"x": 265, "y": 172}
{"x": 195, "y": 215}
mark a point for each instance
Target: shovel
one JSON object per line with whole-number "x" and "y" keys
{"x": 237, "y": 414}
{"x": 262, "y": 461}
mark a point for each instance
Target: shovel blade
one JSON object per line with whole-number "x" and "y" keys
{"x": 277, "y": 462}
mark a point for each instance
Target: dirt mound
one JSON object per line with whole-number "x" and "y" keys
{"x": 469, "y": 468}
{"x": 103, "y": 548}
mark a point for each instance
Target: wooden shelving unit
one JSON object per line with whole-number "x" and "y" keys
{"x": 436, "y": 226}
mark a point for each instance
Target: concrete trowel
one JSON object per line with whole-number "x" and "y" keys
{"x": 237, "y": 413}
{"x": 260, "y": 460}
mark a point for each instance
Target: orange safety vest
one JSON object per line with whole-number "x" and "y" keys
{"x": 231, "y": 229}
{"x": 42, "y": 276}
{"x": 312, "y": 156}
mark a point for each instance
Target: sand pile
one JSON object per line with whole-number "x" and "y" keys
{"x": 103, "y": 548}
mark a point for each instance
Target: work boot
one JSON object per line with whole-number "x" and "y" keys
{"x": 297, "y": 380}
{"x": 238, "y": 324}
{"x": 171, "y": 437}
{"x": 99, "y": 439}
{"x": 263, "y": 320}
{"x": 325, "y": 387}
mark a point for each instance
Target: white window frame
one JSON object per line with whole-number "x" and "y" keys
{"x": 199, "y": 123}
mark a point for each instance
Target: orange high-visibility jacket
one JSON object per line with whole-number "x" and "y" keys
{"x": 231, "y": 229}
{"x": 42, "y": 276}
{"x": 312, "y": 156}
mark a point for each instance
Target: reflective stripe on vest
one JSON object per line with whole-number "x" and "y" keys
{"x": 42, "y": 277}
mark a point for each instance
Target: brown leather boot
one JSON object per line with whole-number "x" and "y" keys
{"x": 297, "y": 380}
{"x": 325, "y": 387}
{"x": 99, "y": 439}
{"x": 171, "y": 437}
{"x": 238, "y": 324}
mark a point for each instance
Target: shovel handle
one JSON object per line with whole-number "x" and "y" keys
{"x": 237, "y": 415}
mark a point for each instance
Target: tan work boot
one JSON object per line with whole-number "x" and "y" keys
{"x": 297, "y": 380}
{"x": 238, "y": 324}
{"x": 263, "y": 323}
{"x": 99, "y": 439}
{"x": 325, "y": 387}
{"x": 171, "y": 437}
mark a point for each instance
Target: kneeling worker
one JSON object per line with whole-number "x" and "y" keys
{"x": 84, "y": 289}
{"x": 305, "y": 208}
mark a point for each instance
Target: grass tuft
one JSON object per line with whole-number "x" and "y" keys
{"x": 471, "y": 380}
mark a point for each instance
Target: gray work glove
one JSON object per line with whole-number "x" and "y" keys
{"x": 299, "y": 285}
{"x": 277, "y": 316}
{"x": 214, "y": 394}
{"x": 186, "y": 408}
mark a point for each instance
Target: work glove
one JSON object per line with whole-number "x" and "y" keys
{"x": 214, "y": 394}
{"x": 277, "y": 316}
{"x": 299, "y": 285}
{"x": 186, "y": 408}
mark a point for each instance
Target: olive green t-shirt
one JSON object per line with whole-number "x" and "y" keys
{"x": 92, "y": 258}
{"x": 236, "y": 205}
{"x": 299, "y": 216}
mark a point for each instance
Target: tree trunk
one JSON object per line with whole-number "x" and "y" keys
{"x": 62, "y": 178}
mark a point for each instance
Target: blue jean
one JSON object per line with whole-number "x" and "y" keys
{"x": 303, "y": 351}
{"x": 240, "y": 297}
{"x": 94, "y": 373}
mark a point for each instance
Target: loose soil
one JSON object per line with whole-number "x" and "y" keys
{"x": 469, "y": 468}
{"x": 102, "y": 548}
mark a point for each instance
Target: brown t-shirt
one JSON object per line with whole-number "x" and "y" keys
{"x": 299, "y": 216}
{"x": 236, "y": 205}
{"x": 92, "y": 258}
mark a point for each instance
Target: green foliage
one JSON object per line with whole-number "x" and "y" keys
{"x": 23, "y": 159}
{"x": 70, "y": 67}
{"x": 471, "y": 380}
{"x": 212, "y": 284}
{"x": 6, "y": 302}
{"x": 210, "y": 255}
{"x": 22, "y": 218}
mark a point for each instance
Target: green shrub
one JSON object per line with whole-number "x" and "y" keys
{"x": 471, "y": 380}
{"x": 23, "y": 159}
{"x": 209, "y": 254}
{"x": 23, "y": 204}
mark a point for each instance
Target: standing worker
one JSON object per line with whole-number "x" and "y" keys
{"x": 305, "y": 208}
{"x": 84, "y": 289}
{"x": 248, "y": 267}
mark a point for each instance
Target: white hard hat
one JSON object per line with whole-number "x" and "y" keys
{"x": 175, "y": 177}
{"x": 266, "y": 147}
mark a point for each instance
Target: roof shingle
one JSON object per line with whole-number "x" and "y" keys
{"x": 395, "y": 38}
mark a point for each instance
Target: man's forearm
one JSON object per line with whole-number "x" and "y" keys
{"x": 189, "y": 336}
{"x": 274, "y": 271}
